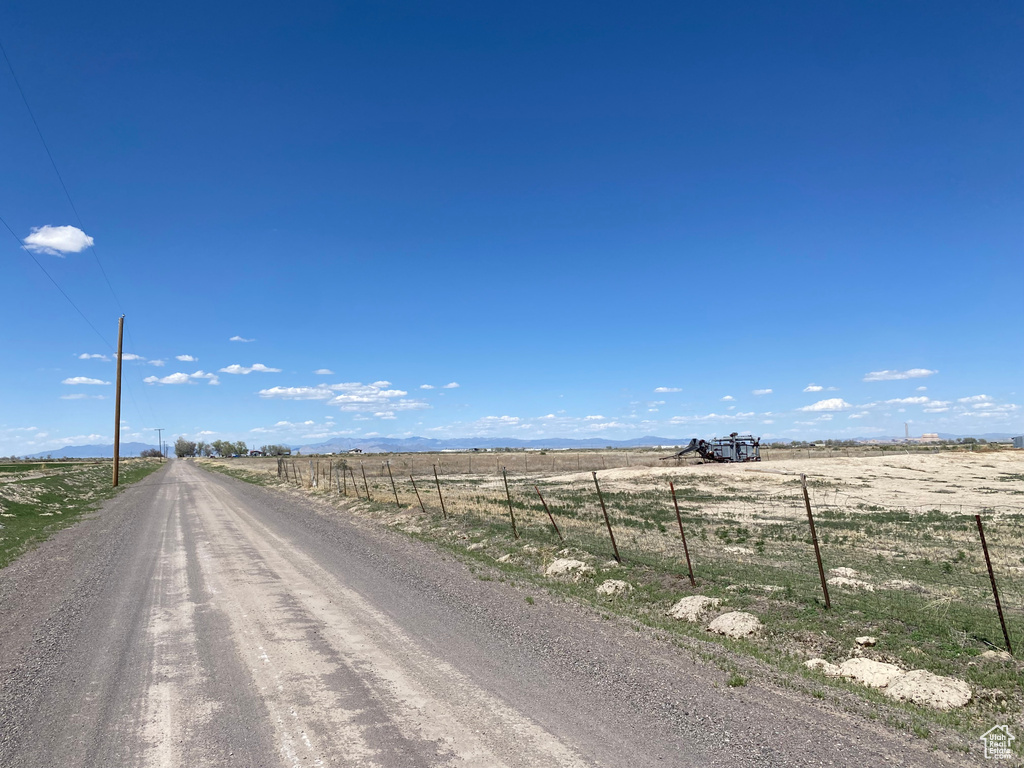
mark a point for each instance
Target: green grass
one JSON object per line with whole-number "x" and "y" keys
{"x": 53, "y": 495}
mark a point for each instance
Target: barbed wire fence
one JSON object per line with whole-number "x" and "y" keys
{"x": 922, "y": 566}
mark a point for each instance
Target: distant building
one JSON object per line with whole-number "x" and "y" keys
{"x": 1018, "y": 442}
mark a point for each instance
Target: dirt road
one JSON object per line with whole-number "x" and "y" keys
{"x": 198, "y": 621}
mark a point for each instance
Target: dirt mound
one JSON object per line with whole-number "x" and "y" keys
{"x": 567, "y": 567}
{"x": 922, "y": 687}
{"x": 736, "y": 624}
{"x": 873, "y": 674}
{"x": 693, "y": 608}
{"x": 614, "y": 587}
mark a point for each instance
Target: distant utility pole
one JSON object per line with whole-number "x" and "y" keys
{"x": 117, "y": 400}
{"x": 159, "y": 439}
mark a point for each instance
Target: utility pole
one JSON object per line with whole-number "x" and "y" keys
{"x": 159, "y": 439}
{"x": 117, "y": 400}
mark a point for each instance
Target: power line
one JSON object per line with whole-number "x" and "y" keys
{"x": 60, "y": 178}
{"x": 78, "y": 217}
{"x": 56, "y": 284}
{"x": 131, "y": 392}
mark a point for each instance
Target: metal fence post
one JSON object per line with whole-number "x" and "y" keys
{"x": 444, "y": 512}
{"x": 550, "y": 516}
{"x": 814, "y": 538}
{"x": 508, "y": 495}
{"x": 393, "y": 488}
{"x": 686, "y": 551}
{"x": 992, "y": 578}
{"x": 607, "y": 521}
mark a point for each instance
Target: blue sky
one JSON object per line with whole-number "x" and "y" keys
{"x": 594, "y": 218}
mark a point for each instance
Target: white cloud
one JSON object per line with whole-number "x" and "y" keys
{"x": 183, "y": 378}
{"x": 351, "y": 396}
{"x": 323, "y": 372}
{"x": 57, "y": 241}
{"x": 594, "y": 418}
{"x": 975, "y": 399}
{"x": 825, "y": 417}
{"x": 298, "y": 393}
{"x": 80, "y": 396}
{"x": 913, "y": 373}
{"x": 426, "y": 386}
{"x": 172, "y": 378}
{"x": 609, "y": 425}
{"x": 922, "y": 389}
{"x": 86, "y": 356}
{"x": 76, "y": 380}
{"x": 668, "y": 389}
{"x": 832, "y": 404}
{"x": 186, "y": 358}
{"x": 711, "y": 417}
{"x": 908, "y": 401}
{"x": 385, "y": 415}
{"x": 860, "y": 415}
{"x": 239, "y": 338}
{"x": 761, "y": 392}
{"x": 451, "y": 385}
{"x": 241, "y": 369}
{"x": 813, "y": 388}
{"x": 728, "y": 399}
{"x": 131, "y": 356}
{"x": 158, "y": 363}
{"x": 499, "y": 421}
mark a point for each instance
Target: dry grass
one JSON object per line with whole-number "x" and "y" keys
{"x": 899, "y": 527}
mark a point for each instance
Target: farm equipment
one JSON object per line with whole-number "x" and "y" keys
{"x": 735, "y": 447}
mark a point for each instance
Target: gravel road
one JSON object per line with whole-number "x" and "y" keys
{"x": 199, "y": 621}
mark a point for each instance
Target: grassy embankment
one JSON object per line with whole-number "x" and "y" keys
{"x": 39, "y": 498}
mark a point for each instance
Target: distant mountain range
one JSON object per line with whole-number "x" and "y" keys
{"x": 421, "y": 444}
{"x": 92, "y": 451}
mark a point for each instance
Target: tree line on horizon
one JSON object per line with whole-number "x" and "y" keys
{"x": 184, "y": 448}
